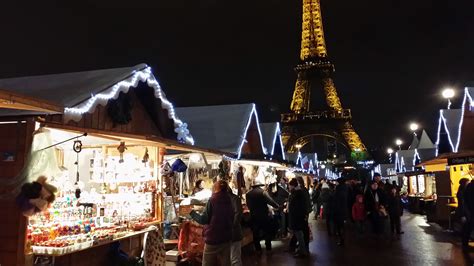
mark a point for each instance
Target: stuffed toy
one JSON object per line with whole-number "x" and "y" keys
{"x": 36, "y": 196}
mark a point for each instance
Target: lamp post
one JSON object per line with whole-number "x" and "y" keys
{"x": 399, "y": 143}
{"x": 448, "y": 94}
{"x": 414, "y": 127}
{"x": 390, "y": 152}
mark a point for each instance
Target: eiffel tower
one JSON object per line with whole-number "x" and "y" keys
{"x": 315, "y": 69}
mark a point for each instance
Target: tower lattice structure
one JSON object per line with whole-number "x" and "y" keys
{"x": 301, "y": 124}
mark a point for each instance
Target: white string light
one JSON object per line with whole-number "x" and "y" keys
{"x": 253, "y": 113}
{"x": 275, "y": 136}
{"x": 75, "y": 113}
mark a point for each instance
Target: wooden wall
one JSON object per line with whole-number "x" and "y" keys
{"x": 14, "y": 138}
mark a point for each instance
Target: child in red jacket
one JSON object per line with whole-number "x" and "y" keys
{"x": 358, "y": 213}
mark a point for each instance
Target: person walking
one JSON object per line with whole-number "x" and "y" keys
{"x": 395, "y": 212}
{"x": 340, "y": 209}
{"x": 359, "y": 214}
{"x": 237, "y": 235}
{"x": 217, "y": 218}
{"x": 315, "y": 198}
{"x": 297, "y": 216}
{"x": 307, "y": 206}
{"x": 257, "y": 202}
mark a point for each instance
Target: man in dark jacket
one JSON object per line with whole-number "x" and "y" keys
{"x": 218, "y": 219}
{"x": 340, "y": 209}
{"x": 298, "y": 216}
{"x": 395, "y": 211}
{"x": 257, "y": 202}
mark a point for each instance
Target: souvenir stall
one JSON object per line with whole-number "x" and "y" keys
{"x": 235, "y": 133}
{"x": 448, "y": 170}
{"x": 421, "y": 190}
{"x": 81, "y": 153}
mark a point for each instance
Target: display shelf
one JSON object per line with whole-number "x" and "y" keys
{"x": 62, "y": 251}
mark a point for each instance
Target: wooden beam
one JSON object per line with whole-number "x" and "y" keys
{"x": 17, "y": 101}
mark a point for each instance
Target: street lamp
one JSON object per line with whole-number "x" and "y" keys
{"x": 299, "y": 146}
{"x": 414, "y": 127}
{"x": 399, "y": 143}
{"x": 448, "y": 94}
{"x": 390, "y": 152}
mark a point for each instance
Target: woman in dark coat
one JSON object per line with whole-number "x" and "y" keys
{"x": 340, "y": 209}
{"x": 375, "y": 201}
{"x": 297, "y": 216}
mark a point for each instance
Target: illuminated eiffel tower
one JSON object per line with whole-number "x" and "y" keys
{"x": 315, "y": 69}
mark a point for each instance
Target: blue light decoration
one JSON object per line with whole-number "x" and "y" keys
{"x": 75, "y": 112}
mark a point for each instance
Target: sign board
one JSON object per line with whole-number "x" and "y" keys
{"x": 461, "y": 160}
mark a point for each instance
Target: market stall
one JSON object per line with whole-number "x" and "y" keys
{"x": 240, "y": 156}
{"x": 81, "y": 154}
{"x": 448, "y": 170}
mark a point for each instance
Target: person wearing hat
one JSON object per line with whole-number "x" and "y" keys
{"x": 378, "y": 179}
{"x": 257, "y": 202}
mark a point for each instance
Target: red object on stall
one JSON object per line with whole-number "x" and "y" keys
{"x": 191, "y": 240}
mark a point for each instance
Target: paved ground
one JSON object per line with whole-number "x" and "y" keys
{"x": 422, "y": 244}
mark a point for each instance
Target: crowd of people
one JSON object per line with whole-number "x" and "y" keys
{"x": 283, "y": 209}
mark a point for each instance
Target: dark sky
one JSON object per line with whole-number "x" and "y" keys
{"x": 392, "y": 57}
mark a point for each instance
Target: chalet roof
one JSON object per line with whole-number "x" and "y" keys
{"x": 80, "y": 92}
{"x": 271, "y": 136}
{"x": 450, "y": 121}
{"x": 221, "y": 127}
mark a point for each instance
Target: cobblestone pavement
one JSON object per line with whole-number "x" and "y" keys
{"x": 422, "y": 244}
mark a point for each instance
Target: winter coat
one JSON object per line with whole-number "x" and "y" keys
{"x": 394, "y": 205}
{"x": 307, "y": 200}
{"x": 257, "y": 201}
{"x": 281, "y": 195}
{"x": 324, "y": 196}
{"x": 358, "y": 210}
{"x": 369, "y": 200}
{"x": 297, "y": 214}
{"x": 316, "y": 194}
{"x": 237, "y": 234}
{"x": 217, "y": 218}
{"x": 469, "y": 201}
{"x": 340, "y": 203}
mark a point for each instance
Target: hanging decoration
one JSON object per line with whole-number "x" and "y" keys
{"x": 224, "y": 169}
{"x": 77, "y": 147}
{"x": 120, "y": 109}
{"x": 121, "y": 148}
{"x": 146, "y": 156}
{"x": 179, "y": 166}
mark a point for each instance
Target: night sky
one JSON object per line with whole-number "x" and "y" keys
{"x": 392, "y": 57}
